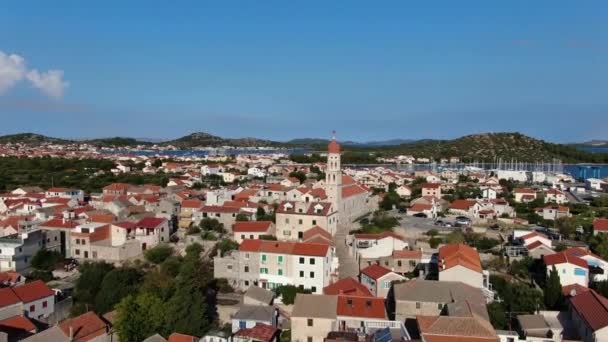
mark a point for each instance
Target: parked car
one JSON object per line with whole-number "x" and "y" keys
{"x": 439, "y": 223}
{"x": 462, "y": 221}
{"x": 420, "y": 215}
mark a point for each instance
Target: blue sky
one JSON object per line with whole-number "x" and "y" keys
{"x": 286, "y": 69}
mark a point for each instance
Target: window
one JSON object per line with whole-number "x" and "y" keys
{"x": 263, "y": 258}
{"x": 312, "y": 261}
{"x": 45, "y": 304}
{"x": 77, "y": 252}
{"x": 313, "y": 289}
{"x": 247, "y": 256}
{"x": 439, "y": 306}
{"x": 32, "y": 308}
{"x": 243, "y": 236}
{"x": 242, "y": 324}
{"x": 280, "y": 259}
{"x": 417, "y": 305}
{"x": 246, "y": 282}
{"x": 301, "y": 274}
{"x": 314, "y": 222}
{"x": 399, "y": 263}
{"x": 312, "y": 274}
{"x": 251, "y": 236}
{"x": 246, "y": 270}
{"x": 299, "y": 221}
{"x": 386, "y": 284}
{"x": 579, "y": 272}
{"x": 310, "y": 322}
{"x": 229, "y": 267}
{"x": 261, "y": 270}
{"x": 301, "y": 260}
{"x": 280, "y": 272}
{"x": 309, "y": 339}
{"x": 286, "y": 220}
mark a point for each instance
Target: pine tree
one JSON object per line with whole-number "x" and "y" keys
{"x": 553, "y": 290}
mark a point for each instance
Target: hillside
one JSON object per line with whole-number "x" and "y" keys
{"x": 201, "y": 139}
{"x": 30, "y": 139}
{"x": 115, "y": 141}
{"x": 490, "y": 146}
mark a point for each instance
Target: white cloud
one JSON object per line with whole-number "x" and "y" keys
{"x": 50, "y": 82}
{"x": 13, "y": 69}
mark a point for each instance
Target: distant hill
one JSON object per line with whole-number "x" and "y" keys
{"x": 317, "y": 141}
{"x": 593, "y": 143}
{"x": 30, "y": 139}
{"x": 490, "y": 146}
{"x": 202, "y": 139}
{"x": 116, "y": 141}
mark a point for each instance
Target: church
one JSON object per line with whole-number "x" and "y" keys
{"x": 339, "y": 199}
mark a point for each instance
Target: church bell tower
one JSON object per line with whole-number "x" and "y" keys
{"x": 333, "y": 175}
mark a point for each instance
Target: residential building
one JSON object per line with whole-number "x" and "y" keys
{"x": 431, "y": 189}
{"x": 589, "y": 312}
{"x": 249, "y": 315}
{"x": 428, "y": 297}
{"x": 252, "y": 230}
{"x": 459, "y": 262}
{"x": 555, "y": 196}
{"x": 524, "y": 195}
{"x": 571, "y": 269}
{"x": 269, "y": 264}
{"x": 379, "y": 280}
{"x": 294, "y": 218}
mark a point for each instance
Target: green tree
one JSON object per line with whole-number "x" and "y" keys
{"x": 553, "y": 290}
{"x": 227, "y": 245}
{"x": 242, "y": 217}
{"x": 188, "y": 311}
{"x": 116, "y": 285}
{"x": 211, "y": 224}
{"x": 496, "y": 311}
{"x": 301, "y": 176}
{"x": 456, "y": 236}
{"x": 46, "y": 260}
{"x": 139, "y": 317}
{"x": 288, "y": 293}
{"x": 90, "y": 280}
{"x": 193, "y": 230}
{"x": 159, "y": 253}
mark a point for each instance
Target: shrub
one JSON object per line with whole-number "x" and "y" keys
{"x": 158, "y": 254}
{"x": 435, "y": 241}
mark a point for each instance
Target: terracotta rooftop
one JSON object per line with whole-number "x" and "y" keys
{"x": 375, "y": 271}
{"x": 32, "y": 291}
{"x": 347, "y": 286}
{"x": 459, "y": 255}
{"x": 592, "y": 308}
{"x": 84, "y": 327}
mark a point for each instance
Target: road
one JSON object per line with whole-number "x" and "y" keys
{"x": 348, "y": 265}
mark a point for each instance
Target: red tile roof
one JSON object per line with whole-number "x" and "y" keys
{"x": 375, "y": 271}
{"x": 84, "y": 327}
{"x": 30, "y": 292}
{"x": 592, "y": 308}
{"x": 378, "y": 236}
{"x": 284, "y": 247}
{"x": 177, "y": 337}
{"x": 316, "y": 230}
{"x": 260, "y": 332}
{"x": 59, "y": 223}
{"x": 8, "y": 297}
{"x": 431, "y": 186}
{"x": 347, "y": 286}
{"x": 600, "y": 225}
{"x": 219, "y": 209}
{"x": 459, "y": 255}
{"x": 352, "y": 190}
{"x": 150, "y": 222}
{"x": 561, "y": 258}
{"x": 462, "y": 204}
{"x": 420, "y": 207}
{"x": 192, "y": 204}
{"x": 251, "y": 226}
{"x": 18, "y": 323}
{"x": 524, "y": 191}
{"x": 333, "y": 146}
{"x": 365, "y": 307}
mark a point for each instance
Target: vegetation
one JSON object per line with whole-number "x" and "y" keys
{"x": 46, "y": 260}
{"x": 116, "y": 285}
{"x": 227, "y": 245}
{"x": 516, "y": 298}
{"x": 553, "y": 291}
{"x": 380, "y": 222}
{"x": 178, "y": 296}
{"x": 212, "y": 225}
{"x": 90, "y": 175}
{"x": 159, "y": 253}
{"x": 288, "y": 293}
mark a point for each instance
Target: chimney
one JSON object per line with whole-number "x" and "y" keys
{"x": 71, "y": 337}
